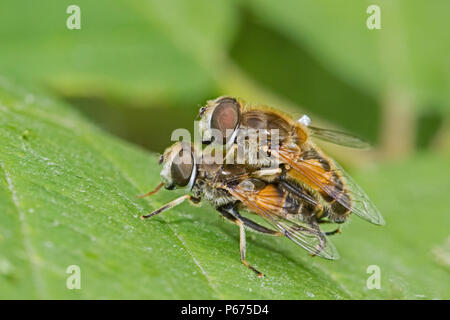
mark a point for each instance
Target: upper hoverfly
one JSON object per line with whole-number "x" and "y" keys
{"x": 290, "y": 210}
{"x": 305, "y": 165}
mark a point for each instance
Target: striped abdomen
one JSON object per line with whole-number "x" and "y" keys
{"x": 311, "y": 168}
{"x": 286, "y": 200}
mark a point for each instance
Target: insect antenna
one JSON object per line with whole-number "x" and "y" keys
{"x": 150, "y": 192}
{"x": 167, "y": 206}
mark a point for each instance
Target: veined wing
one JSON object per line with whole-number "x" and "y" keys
{"x": 339, "y": 137}
{"x": 362, "y": 206}
{"x": 353, "y": 198}
{"x": 267, "y": 203}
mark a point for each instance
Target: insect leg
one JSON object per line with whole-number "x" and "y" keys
{"x": 194, "y": 200}
{"x": 224, "y": 211}
{"x": 257, "y": 227}
{"x": 242, "y": 246}
{"x": 320, "y": 221}
{"x": 330, "y": 233}
{"x": 267, "y": 172}
{"x": 150, "y": 192}
{"x": 231, "y": 213}
{"x": 301, "y": 194}
{"x": 167, "y": 206}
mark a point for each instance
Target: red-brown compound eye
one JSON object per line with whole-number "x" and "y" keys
{"x": 226, "y": 116}
{"x": 181, "y": 168}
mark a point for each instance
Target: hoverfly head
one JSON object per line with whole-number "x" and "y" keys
{"x": 219, "y": 120}
{"x": 179, "y": 166}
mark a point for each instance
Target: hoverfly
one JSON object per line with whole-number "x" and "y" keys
{"x": 290, "y": 210}
{"x": 306, "y": 165}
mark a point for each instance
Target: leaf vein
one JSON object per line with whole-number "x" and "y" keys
{"x": 29, "y": 249}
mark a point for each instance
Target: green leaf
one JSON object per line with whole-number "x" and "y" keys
{"x": 142, "y": 52}
{"x": 67, "y": 197}
{"x": 408, "y": 55}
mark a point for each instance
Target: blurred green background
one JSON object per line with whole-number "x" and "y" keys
{"x": 141, "y": 68}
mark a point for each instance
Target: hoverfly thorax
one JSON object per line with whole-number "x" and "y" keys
{"x": 179, "y": 166}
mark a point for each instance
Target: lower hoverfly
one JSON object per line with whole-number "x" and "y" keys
{"x": 306, "y": 165}
{"x": 290, "y": 210}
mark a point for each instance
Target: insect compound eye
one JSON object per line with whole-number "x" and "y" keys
{"x": 226, "y": 116}
{"x": 181, "y": 168}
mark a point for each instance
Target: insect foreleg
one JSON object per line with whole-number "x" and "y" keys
{"x": 167, "y": 206}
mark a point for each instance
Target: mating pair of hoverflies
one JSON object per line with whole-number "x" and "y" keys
{"x": 305, "y": 189}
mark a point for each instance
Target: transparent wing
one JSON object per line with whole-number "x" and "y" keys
{"x": 339, "y": 137}
{"x": 357, "y": 201}
{"x": 362, "y": 206}
{"x": 307, "y": 236}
